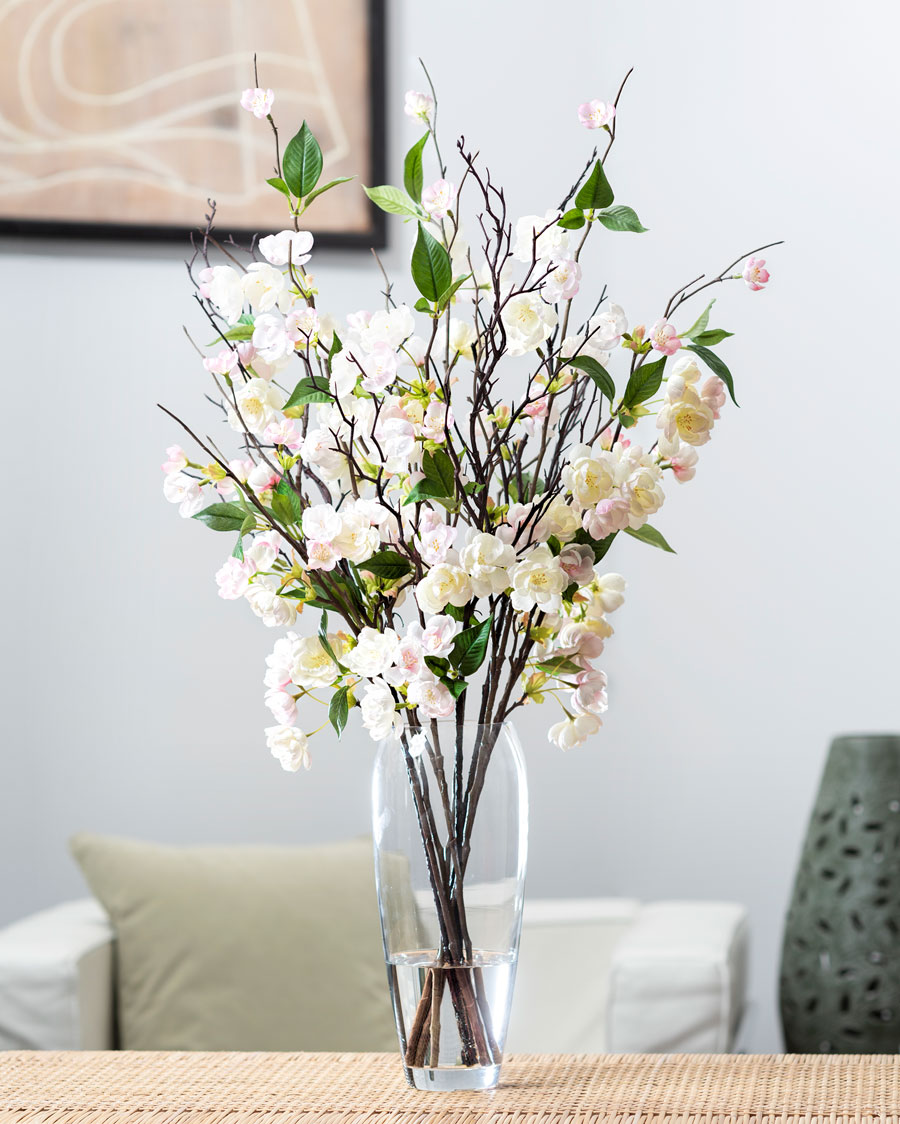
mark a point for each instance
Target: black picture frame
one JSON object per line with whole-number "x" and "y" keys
{"x": 375, "y": 236}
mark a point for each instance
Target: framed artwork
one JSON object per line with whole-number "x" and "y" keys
{"x": 121, "y": 118}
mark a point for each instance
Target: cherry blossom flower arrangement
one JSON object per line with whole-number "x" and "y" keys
{"x": 438, "y": 481}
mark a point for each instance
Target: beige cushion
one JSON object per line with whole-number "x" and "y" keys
{"x": 243, "y": 948}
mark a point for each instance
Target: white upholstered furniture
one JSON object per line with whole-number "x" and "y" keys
{"x": 594, "y": 975}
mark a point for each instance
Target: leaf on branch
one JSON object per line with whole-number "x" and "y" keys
{"x": 600, "y": 547}
{"x": 249, "y": 524}
{"x": 560, "y": 666}
{"x": 393, "y": 200}
{"x": 339, "y": 710}
{"x": 239, "y": 332}
{"x": 440, "y": 479}
{"x": 621, "y": 218}
{"x": 595, "y": 192}
{"x": 572, "y": 220}
{"x": 644, "y": 382}
{"x": 596, "y": 372}
{"x": 302, "y": 163}
{"x": 327, "y": 187}
{"x": 455, "y": 686}
{"x": 711, "y": 337}
{"x": 413, "y": 178}
{"x": 431, "y": 270}
{"x": 447, "y": 295}
{"x": 222, "y": 517}
{"x": 387, "y": 564}
{"x": 308, "y": 390}
{"x": 279, "y": 185}
{"x": 287, "y": 493}
{"x": 326, "y": 643}
{"x": 717, "y": 367}
{"x": 649, "y": 535}
{"x": 438, "y": 665}
{"x": 423, "y": 305}
{"x": 470, "y": 647}
{"x": 700, "y": 324}
{"x": 238, "y": 551}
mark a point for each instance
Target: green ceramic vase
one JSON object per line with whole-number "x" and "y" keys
{"x": 840, "y": 963}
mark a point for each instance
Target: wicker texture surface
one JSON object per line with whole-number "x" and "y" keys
{"x": 196, "y": 1088}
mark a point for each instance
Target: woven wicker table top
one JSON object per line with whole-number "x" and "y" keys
{"x": 197, "y": 1088}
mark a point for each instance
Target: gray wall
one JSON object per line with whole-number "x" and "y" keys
{"x": 132, "y": 696}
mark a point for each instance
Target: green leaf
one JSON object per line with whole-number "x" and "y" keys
{"x": 447, "y": 295}
{"x": 336, "y": 346}
{"x": 438, "y": 467}
{"x": 572, "y": 220}
{"x": 595, "y": 192}
{"x": 470, "y": 647}
{"x": 455, "y": 686}
{"x": 649, "y": 535}
{"x": 387, "y": 564}
{"x": 600, "y": 547}
{"x": 248, "y": 525}
{"x": 423, "y": 305}
{"x": 327, "y": 187}
{"x": 222, "y": 517}
{"x": 560, "y": 666}
{"x": 302, "y": 163}
{"x": 239, "y": 332}
{"x": 413, "y": 178}
{"x": 713, "y": 336}
{"x": 438, "y": 665}
{"x": 308, "y": 390}
{"x": 431, "y": 270}
{"x": 700, "y": 324}
{"x": 325, "y": 642}
{"x": 596, "y": 372}
{"x": 238, "y": 551}
{"x": 339, "y": 710}
{"x": 717, "y": 367}
{"x": 643, "y": 383}
{"x": 621, "y": 218}
{"x": 393, "y": 200}
{"x": 279, "y": 185}
{"x": 283, "y": 488}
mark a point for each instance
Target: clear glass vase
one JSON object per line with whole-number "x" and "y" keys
{"x": 450, "y": 818}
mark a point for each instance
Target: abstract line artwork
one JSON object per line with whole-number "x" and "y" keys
{"x": 122, "y": 117}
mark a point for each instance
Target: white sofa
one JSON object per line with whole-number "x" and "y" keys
{"x": 594, "y": 975}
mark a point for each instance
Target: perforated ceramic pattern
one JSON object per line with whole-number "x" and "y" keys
{"x": 196, "y": 1088}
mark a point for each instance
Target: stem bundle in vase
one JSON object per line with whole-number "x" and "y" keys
{"x": 444, "y": 477}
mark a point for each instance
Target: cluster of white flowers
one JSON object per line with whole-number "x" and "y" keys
{"x": 359, "y": 491}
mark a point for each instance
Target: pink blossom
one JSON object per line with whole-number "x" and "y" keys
{"x": 246, "y": 352}
{"x": 589, "y": 697}
{"x": 755, "y": 273}
{"x": 322, "y": 555}
{"x": 435, "y": 420}
{"x": 283, "y": 432}
{"x": 713, "y": 394}
{"x": 356, "y": 321}
{"x": 435, "y": 538}
{"x": 609, "y": 515}
{"x": 595, "y": 114}
{"x": 438, "y": 199}
{"x": 418, "y": 105}
{"x": 258, "y": 102}
{"x": 439, "y": 634}
{"x": 684, "y": 463}
{"x": 431, "y": 697}
{"x": 539, "y": 408}
{"x": 664, "y": 338}
{"x": 204, "y": 280}
{"x": 177, "y": 459}
{"x": 380, "y": 368}
{"x": 283, "y": 706}
{"x": 222, "y": 363}
{"x": 233, "y": 579}
{"x": 577, "y": 560}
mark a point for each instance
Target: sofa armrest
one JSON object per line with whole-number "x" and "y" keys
{"x": 678, "y": 979}
{"x": 56, "y": 980}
